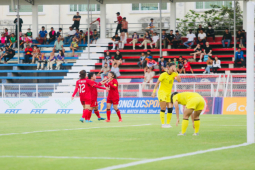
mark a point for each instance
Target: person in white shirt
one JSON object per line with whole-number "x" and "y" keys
{"x": 190, "y": 40}
{"x": 155, "y": 38}
{"x": 216, "y": 65}
{"x": 201, "y": 38}
{"x": 70, "y": 35}
{"x": 123, "y": 40}
{"x": 148, "y": 78}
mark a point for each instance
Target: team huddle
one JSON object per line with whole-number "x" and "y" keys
{"x": 194, "y": 103}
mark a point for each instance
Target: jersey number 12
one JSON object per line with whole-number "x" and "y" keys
{"x": 82, "y": 88}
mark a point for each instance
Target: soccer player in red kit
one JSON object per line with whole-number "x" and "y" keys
{"x": 113, "y": 96}
{"x": 84, "y": 87}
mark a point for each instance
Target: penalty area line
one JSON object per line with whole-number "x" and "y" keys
{"x": 172, "y": 157}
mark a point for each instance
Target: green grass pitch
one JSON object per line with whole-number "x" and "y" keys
{"x": 105, "y": 144}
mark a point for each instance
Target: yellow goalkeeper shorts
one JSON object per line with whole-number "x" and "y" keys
{"x": 196, "y": 103}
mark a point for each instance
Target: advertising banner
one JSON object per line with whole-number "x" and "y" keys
{"x": 234, "y": 106}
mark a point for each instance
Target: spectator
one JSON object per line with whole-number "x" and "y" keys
{"x": 60, "y": 59}
{"x": 59, "y": 32}
{"x": 240, "y": 38}
{"x": 199, "y": 29}
{"x": 27, "y": 41}
{"x": 94, "y": 36}
{"x": 77, "y": 35}
{"x": 191, "y": 38}
{"x": 41, "y": 61}
{"x": 239, "y": 58}
{"x": 148, "y": 78}
{"x": 36, "y": 52}
{"x": 107, "y": 58}
{"x": 170, "y": 37}
{"x": 169, "y": 61}
{"x": 21, "y": 41}
{"x": 28, "y": 53}
{"x": 52, "y": 35}
{"x": 9, "y": 54}
{"x": 7, "y": 34}
{"x": 42, "y": 36}
{"x": 119, "y": 21}
{"x": 164, "y": 40}
{"x": 162, "y": 64}
{"x": 187, "y": 67}
{"x": 151, "y": 63}
{"x": 70, "y": 35}
{"x": 74, "y": 46}
{"x": 29, "y": 33}
{"x": 227, "y": 37}
{"x": 244, "y": 36}
{"x": 124, "y": 26}
{"x": 90, "y": 35}
{"x": 135, "y": 38}
{"x": 180, "y": 65}
{"x": 176, "y": 63}
{"x": 115, "y": 40}
{"x": 13, "y": 41}
{"x": 97, "y": 20}
{"x": 216, "y": 65}
{"x": 116, "y": 69}
{"x": 146, "y": 40}
{"x": 123, "y": 40}
{"x": 3, "y": 40}
{"x": 209, "y": 63}
{"x": 104, "y": 71}
{"x": 151, "y": 26}
{"x": 141, "y": 61}
{"x": 177, "y": 39}
{"x": 117, "y": 58}
{"x": 76, "y": 21}
{"x": 201, "y": 38}
{"x": 59, "y": 45}
{"x": 210, "y": 32}
{"x": 82, "y": 35}
{"x": 197, "y": 51}
{"x": 155, "y": 40}
{"x": 20, "y": 26}
{"x": 51, "y": 61}
{"x": 207, "y": 51}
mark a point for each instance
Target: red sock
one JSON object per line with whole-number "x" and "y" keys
{"x": 97, "y": 113}
{"x": 118, "y": 113}
{"x": 108, "y": 114}
{"x": 89, "y": 114}
{"x": 83, "y": 114}
{"x": 86, "y": 114}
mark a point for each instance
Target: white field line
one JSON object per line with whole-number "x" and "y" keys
{"x": 56, "y": 130}
{"x": 69, "y": 157}
{"x": 172, "y": 157}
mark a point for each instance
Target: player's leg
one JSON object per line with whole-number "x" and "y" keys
{"x": 162, "y": 112}
{"x": 196, "y": 115}
{"x": 88, "y": 112}
{"x": 185, "y": 121}
{"x": 108, "y": 112}
{"x": 82, "y": 118}
{"x": 97, "y": 113}
{"x": 169, "y": 106}
{"x": 115, "y": 106}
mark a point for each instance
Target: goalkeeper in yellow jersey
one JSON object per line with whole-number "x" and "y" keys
{"x": 166, "y": 81}
{"x": 194, "y": 103}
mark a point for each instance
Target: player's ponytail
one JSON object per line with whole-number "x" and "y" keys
{"x": 82, "y": 74}
{"x": 113, "y": 75}
{"x": 90, "y": 75}
{"x": 173, "y": 94}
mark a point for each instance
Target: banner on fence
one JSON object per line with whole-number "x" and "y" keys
{"x": 234, "y": 106}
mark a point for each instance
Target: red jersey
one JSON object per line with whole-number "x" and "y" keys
{"x": 94, "y": 91}
{"x": 84, "y": 86}
{"x": 113, "y": 93}
{"x": 98, "y": 19}
{"x": 119, "y": 19}
{"x": 187, "y": 66}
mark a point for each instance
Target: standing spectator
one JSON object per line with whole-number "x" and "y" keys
{"x": 60, "y": 59}
{"x": 146, "y": 40}
{"x": 164, "y": 40}
{"x": 123, "y": 40}
{"x": 199, "y": 29}
{"x": 210, "y": 32}
{"x": 135, "y": 38}
{"x": 52, "y": 35}
{"x": 240, "y": 38}
{"x": 107, "y": 58}
{"x": 117, "y": 58}
{"x": 155, "y": 40}
{"x": 29, "y": 33}
{"x": 104, "y": 71}
{"x": 151, "y": 26}
{"x": 51, "y": 61}
{"x": 148, "y": 78}
{"x": 191, "y": 38}
{"x": 59, "y": 45}
{"x": 180, "y": 65}
{"x": 216, "y": 65}
{"x": 115, "y": 40}
{"x": 209, "y": 63}
{"x": 76, "y": 21}
{"x": 119, "y": 21}
{"x": 170, "y": 37}
{"x": 197, "y": 51}
{"x": 162, "y": 64}
{"x": 28, "y": 53}
{"x": 125, "y": 26}
{"x": 187, "y": 67}
{"x": 141, "y": 61}
{"x": 13, "y": 41}
{"x": 201, "y": 38}
{"x": 36, "y": 52}
{"x": 94, "y": 36}
{"x": 90, "y": 35}
{"x": 27, "y": 41}
{"x": 42, "y": 36}
{"x": 207, "y": 51}
{"x": 20, "y": 26}
{"x": 239, "y": 58}
{"x": 227, "y": 37}
{"x": 151, "y": 63}
{"x": 3, "y": 40}
{"x": 41, "y": 61}
{"x": 74, "y": 46}
{"x": 9, "y": 54}
{"x": 116, "y": 69}
{"x": 177, "y": 39}
{"x": 70, "y": 35}
{"x": 59, "y": 32}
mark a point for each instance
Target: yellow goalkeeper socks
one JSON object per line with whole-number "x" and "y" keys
{"x": 168, "y": 118}
{"x": 185, "y": 123}
{"x": 162, "y": 116}
{"x": 197, "y": 125}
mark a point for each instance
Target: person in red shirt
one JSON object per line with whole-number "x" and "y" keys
{"x": 119, "y": 20}
{"x": 187, "y": 67}
{"x": 113, "y": 96}
{"x": 97, "y": 20}
{"x": 28, "y": 53}
{"x": 84, "y": 87}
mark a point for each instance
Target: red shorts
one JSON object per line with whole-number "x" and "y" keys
{"x": 93, "y": 103}
{"x": 114, "y": 102}
{"x": 86, "y": 102}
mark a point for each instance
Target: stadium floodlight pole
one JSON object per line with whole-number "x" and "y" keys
{"x": 234, "y": 27}
{"x": 18, "y": 30}
{"x": 250, "y": 72}
{"x": 160, "y": 28}
{"x": 88, "y": 45}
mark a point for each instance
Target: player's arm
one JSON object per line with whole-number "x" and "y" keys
{"x": 178, "y": 78}
{"x": 176, "y": 106}
{"x": 75, "y": 91}
{"x": 155, "y": 89}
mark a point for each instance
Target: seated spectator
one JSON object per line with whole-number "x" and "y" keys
{"x": 51, "y": 61}
{"x": 207, "y": 51}
{"x": 197, "y": 51}
{"x": 36, "y": 52}
{"x": 170, "y": 37}
{"x": 187, "y": 67}
{"x": 162, "y": 64}
{"x": 240, "y": 38}
{"x": 155, "y": 40}
{"x": 209, "y": 63}
{"x": 141, "y": 61}
{"x": 135, "y": 38}
{"x": 41, "y": 61}
{"x": 21, "y": 41}
{"x": 148, "y": 78}
{"x": 104, "y": 71}
{"x": 239, "y": 58}
{"x": 146, "y": 40}
{"x": 216, "y": 65}
{"x": 201, "y": 38}
{"x": 82, "y": 36}
{"x": 59, "y": 33}
{"x": 164, "y": 40}
{"x": 124, "y": 26}
{"x": 199, "y": 29}
{"x": 60, "y": 59}
{"x": 28, "y": 54}
{"x": 176, "y": 63}
{"x": 190, "y": 40}
{"x": 59, "y": 45}
{"x": 7, "y": 34}
{"x": 52, "y": 35}
{"x": 227, "y": 37}
{"x": 210, "y": 32}
{"x": 42, "y": 36}
{"x": 117, "y": 58}
{"x": 115, "y": 40}
{"x": 107, "y": 58}
{"x": 169, "y": 61}
{"x": 180, "y": 65}
{"x": 9, "y": 54}
{"x": 27, "y": 41}
{"x": 244, "y": 36}
{"x": 116, "y": 69}
{"x": 151, "y": 63}
{"x": 94, "y": 36}
{"x": 90, "y": 35}
{"x": 3, "y": 40}
{"x": 177, "y": 40}
{"x": 74, "y": 46}
{"x": 77, "y": 35}
{"x": 29, "y": 33}
{"x": 13, "y": 41}
{"x": 70, "y": 35}
{"x": 123, "y": 40}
